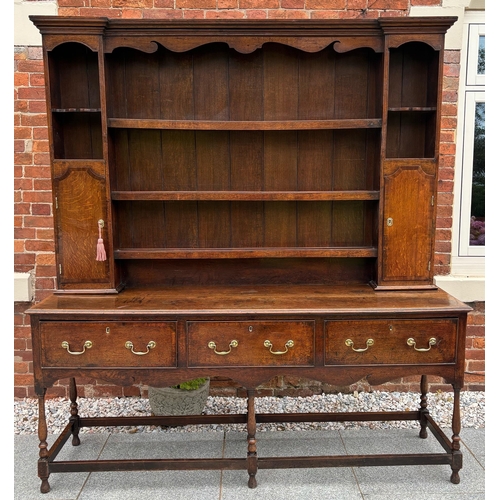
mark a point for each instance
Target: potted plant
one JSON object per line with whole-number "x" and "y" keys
{"x": 187, "y": 398}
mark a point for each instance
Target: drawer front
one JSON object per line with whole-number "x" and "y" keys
{"x": 247, "y": 343}
{"x": 108, "y": 344}
{"x": 390, "y": 341}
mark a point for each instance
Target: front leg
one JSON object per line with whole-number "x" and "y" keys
{"x": 252, "y": 443}
{"x": 424, "y": 388}
{"x": 74, "y": 419}
{"x": 456, "y": 463}
{"x": 43, "y": 461}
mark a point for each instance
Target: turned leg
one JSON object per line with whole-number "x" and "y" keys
{"x": 252, "y": 443}
{"x": 424, "y": 388}
{"x": 456, "y": 463}
{"x": 74, "y": 419}
{"x": 43, "y": 461}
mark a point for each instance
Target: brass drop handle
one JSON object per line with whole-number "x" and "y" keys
{"x": 267, "y": 343}
{"x": 350, "y": 343}
{"x": 411, "y": 342}
{"x": 213, "y": 345}
{"x": 86, "y": 345}
{"x": 129, "y": 345}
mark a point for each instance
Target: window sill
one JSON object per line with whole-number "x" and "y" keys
{"x": 464, "y": 288}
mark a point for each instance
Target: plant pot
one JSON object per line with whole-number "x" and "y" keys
{"x": 172, "y": 401}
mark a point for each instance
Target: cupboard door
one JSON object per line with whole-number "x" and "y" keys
{"x": 408, "y": 227}
{"x": 80, "y": 202}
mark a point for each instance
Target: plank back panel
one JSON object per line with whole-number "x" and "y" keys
{"x": 245, "y": 160}
{"x": 219, "y": 224}
{"x": 74, "y": 70}
{"x": 248, "y": 271}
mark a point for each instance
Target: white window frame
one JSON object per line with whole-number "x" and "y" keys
{"x": 467, "y": 260}
{"x": 474, "y": 32}
{"x": 465, "y": 250}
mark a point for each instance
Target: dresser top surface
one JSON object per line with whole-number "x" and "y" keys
{"x": 262, "y": 299}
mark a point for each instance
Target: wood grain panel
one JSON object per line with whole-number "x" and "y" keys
{"x": 77, "y": 135}
{"x": 116, "y": 105}
{"x": 181, "y": 224}
{"x": 348, "y": 223}
{"x": 145, "y": 224}
{"x": 350, "y": 159}
{"x": 407, "y": 242}
{"x": 214, "y": 224}
{"x": 255, "y": 271}
{"x": 352, "y": 72}
{"x": 245, "y": 75}
{"x": 74, "y": 70}
{"x": 212, "y": 160}
{"x": 316, "y": 85}
{"x": 142, "y": 92}
{"x": 412, "y": 73}
{"x": 390, "y": 341}
{"x": 247, "y": 160}
{"x": 250, "y": 336}
{"x": 210, "y": 86}
{"x": 315, "y": 160}
{"x": 108, "y": 343}
{"x": 280, "y": 83}
{"x": 119, "y": 159}
{"x": 145, "y": 159}
{"x": 280, "y": 161}
{"x": 176, "y": 82}
{"x": 179, "y": 160}
{"x": 280, "y": 224}
{"x": 247, "y": 224}
{"x": 81, "y": 202}
{"x": 314, "y": 224}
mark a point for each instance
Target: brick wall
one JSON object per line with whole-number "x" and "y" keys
{"x": 447, "y": 149}
{"x": 33, "y": 224}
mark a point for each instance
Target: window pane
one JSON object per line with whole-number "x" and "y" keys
{"x": 477, "y": 226}
{"x": 481, "y": 62}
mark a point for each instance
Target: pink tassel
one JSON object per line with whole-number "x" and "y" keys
{"x": 101, "y": 252}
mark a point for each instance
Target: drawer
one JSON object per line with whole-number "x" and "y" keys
{"x": 108, "y": 344}
{"x": 250, "y": 343}
{"x": 390, "y": 341}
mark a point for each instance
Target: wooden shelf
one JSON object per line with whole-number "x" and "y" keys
{"x": 241, "y": 253}
{"x": 76, "y": 110}
{"x": 245, "y": 195}
{"x": 245, "y": 125}
{"x": 413, "y": 109}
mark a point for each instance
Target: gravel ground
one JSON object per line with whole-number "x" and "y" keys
{"x": 440, "y": 404}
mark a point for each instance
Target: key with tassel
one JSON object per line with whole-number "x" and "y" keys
{"x": 101, "y": 251}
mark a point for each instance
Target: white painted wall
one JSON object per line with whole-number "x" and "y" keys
{"x": 25, "y": 32}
